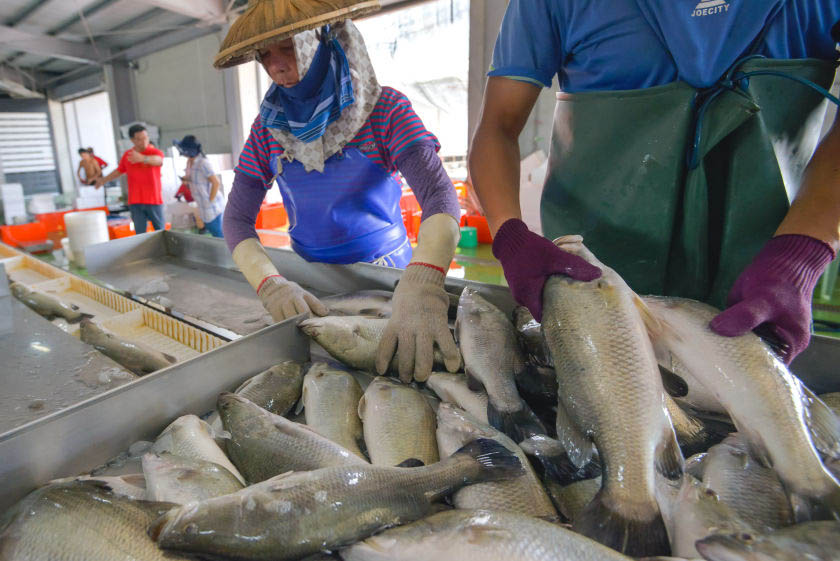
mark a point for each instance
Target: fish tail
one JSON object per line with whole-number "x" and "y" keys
{"x": 560, "y": 469}
{"x": 494, "y": 461}
{"x": 518, "y": 425}
{"x": 639, "y": 534}
{"x": 710, "y": 432}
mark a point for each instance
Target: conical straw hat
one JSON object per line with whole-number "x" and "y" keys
{"x": 268, "y": 21}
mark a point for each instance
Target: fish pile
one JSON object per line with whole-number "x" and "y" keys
{"x": 133, "y": 355}
{"x": 620, "y": 426}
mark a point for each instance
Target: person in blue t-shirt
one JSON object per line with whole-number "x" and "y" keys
{"x": 676, "y": 145}
{"x": 682, "y": 130}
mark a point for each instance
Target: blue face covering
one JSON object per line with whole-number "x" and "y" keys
{"x": 317, "y": 100}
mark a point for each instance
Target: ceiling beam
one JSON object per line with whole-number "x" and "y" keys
{"x": 25, "y": 12}
{"x": 205, "y": 10}
{"x": 45, "y": 45}
{"x": 16, "y": 83}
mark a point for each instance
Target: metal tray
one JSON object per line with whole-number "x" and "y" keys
{"x": 88, "y": 434}
{"x": 203, "y": 285}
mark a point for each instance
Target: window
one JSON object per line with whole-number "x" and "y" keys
{"x": 423, "y": 51}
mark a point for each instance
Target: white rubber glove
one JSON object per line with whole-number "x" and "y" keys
{"x": 419, "y": 320}
{"x": 282, "y": 298}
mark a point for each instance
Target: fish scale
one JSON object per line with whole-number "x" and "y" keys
{"x": 82, "y": 520}
{"x": 331, "y": 400}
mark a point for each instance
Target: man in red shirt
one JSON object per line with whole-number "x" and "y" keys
{"x": 142, "y": 165}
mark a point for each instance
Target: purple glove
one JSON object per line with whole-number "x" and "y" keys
{"x": 529, "y": 259}
{"x": 776, "y": 289}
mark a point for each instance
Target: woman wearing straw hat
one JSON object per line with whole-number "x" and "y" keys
{"x": 333, "y": 140}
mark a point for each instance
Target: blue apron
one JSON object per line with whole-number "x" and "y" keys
{"x": 350, "y": 213}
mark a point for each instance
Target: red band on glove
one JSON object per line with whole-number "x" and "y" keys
{"x": 429, "y": 265}
{"x": 265, "y": 279}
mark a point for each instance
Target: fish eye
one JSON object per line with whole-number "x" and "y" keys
{"x": 746, "y": 537}
{"x": 191, "y": 529}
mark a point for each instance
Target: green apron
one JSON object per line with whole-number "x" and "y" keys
{"x": 619, "y": 176}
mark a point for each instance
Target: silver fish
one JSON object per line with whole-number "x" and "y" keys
{"x": 179, "y": 480}
{"x": 399, "y": 424}
{"x": 752, "y": 491}
{"x": 80, "y": 520}
{"x": 190, "y": 437}
{"x": 353, "y": 340}
{"x": 46, "y": 305}
{"x": 294, "y": 515}
{"x": 331, "y": 400}
{"x": 134, "y": 355}
{"x": 372, "y": 303}
{"x": 263, "y": 444}
{"x": 452, "y": 388}
{"x": 275, "y": 390}
{"x": 480, "y": 535}
{"x": 524, "y": 495}
{"x": 782, "y": 423}
{"x": 610, "y": 393}
{"x": 692, "y": 512}
{"x": 492, "y": 360}
{"x": 811, "y": 540}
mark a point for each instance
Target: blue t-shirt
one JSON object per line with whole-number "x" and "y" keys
{"x": 632, "y": 44}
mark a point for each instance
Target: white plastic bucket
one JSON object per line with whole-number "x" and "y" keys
{"x": 65, "y": 245}
{"x": 84, "y": 229}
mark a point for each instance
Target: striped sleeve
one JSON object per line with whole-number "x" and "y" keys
{"x": 255, "y": 156}
{"x": 399, "y": 124}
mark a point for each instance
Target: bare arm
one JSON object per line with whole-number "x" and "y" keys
{"x": 494, "y": 155}
{"x": 110, "y": 177}
{"x": 214, "y": 186}
{"x": 816, "y": 210}
{"x": 154, "y": 161}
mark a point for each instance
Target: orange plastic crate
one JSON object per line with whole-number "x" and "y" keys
{"x": 272, "y": 216}
{"x": 23, "y": 235}
{"x": 480, "y": 224}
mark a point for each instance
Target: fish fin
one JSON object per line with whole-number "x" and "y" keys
{"x": 669, "y": 459}
{"x": 486, "y": 533}
{"x": 637, "y": 536}
{"x": 578, "y": 445}
{"x": 496, "y": 461}
{"x": 360, "y": 410}
{"x": 824, "y": 424}
{"x": 473, "y": 383}
{"x": 299, "y": 406}
{"x": 410, "y": 463}
{"x": 654, "y": 325}
{"x": 80, "y": 318}
{"x": 518, "y": 425}
{"x": 169, "y": 358}
{"x": 675, "y": 385}
{"x": 806, "y": 509}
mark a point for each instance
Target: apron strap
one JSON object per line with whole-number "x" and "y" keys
{"x": 735, "y": 79}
